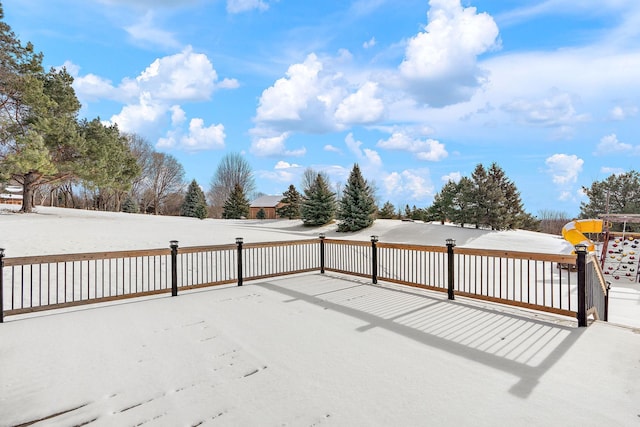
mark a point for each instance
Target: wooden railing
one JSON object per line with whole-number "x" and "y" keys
{"x": 524, "y": 279}
{"x": 596, "y": 290}
{"x": 535, "y": 281}
{"x": 57, "y": 281}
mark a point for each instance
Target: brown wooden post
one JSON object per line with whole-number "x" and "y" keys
{"x": 174, "y": 268}
{"x": 451, "y": 266}
{"x": 1, "y": 285}
{"x": 581, "y": 252}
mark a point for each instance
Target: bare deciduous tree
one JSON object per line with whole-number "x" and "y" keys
{"x": 309, "y": 178}
{"x": 166, "y": 177}
{"x": 232, "y": 170}
{"x": 142, "y": 150}
{"x": 552, "y": 221}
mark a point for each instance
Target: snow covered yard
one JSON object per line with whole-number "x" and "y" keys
{"x": 315, "y": 350}
{"x": 308, "y": 349}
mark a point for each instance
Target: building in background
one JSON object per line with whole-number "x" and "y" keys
{"x": 11, "y": 194}
{"x": 268, "y": 204}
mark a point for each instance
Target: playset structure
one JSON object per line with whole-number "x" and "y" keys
{"x": 620, "y": 251}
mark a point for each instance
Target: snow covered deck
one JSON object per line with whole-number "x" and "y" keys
{"x": 315, "y": 349}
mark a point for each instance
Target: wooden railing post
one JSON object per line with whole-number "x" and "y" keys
{"x": 581, "y": 252}
{"x": 374, "y": 260}
{"x": 321, "y": 236}
{"x": 174, "y": 267}
{"x": 239, "y": 241}
{"x": 1, "y": 285}
{"x": 451, "y": 267}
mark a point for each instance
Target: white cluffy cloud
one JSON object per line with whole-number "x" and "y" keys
{"x": 620, "y": 112}
{"x": 361, "y": 107}
{"x": 305, "y": 99}
{"x": 199, "y": 137}
{"x": 283, "y": 172}
{"x": 153, "y": 99}
{"x": 370, "y": 159}
{"x": 564, "y": 168}
{"x": 270, "y": 146}
{"x": 427, "y": 149}
{"x": 313, "y": 98}
{"x": 451, "y": 177}
{"x": 414, "y": 184}
{"x": 609, "y": 144}
{"x": 440, "y": 65}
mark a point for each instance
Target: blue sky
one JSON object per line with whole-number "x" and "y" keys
{"x": 416, "y": 92}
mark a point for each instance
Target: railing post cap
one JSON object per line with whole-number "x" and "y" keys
{"x": 374, "y": 238}
{"x": 174, "y": 243}
{"x": 581, "y": 248}
{"x": 451, "y": 242}
{"x": 321, "y": 236}
{"x": 239, "y": 240}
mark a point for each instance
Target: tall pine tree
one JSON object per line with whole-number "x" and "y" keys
{"x": 195, "y": 204}
{"x": 319, "y": 203}
{"x": 387, "y": 211}
{"x": 237, "y": 205}
{"x": 442, "y": 208}
{"x": 357, "y": 205}
{"x": 291, "y": 204}
{"x": 464, "y": 204}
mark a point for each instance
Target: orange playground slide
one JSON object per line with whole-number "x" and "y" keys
{"x": 572, "y": 232}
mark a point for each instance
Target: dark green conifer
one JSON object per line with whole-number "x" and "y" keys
{"x": 195, "y": 204}
{"x": 236, "y": 205}
{"x": 291, "y": 204}
{"x": 319, "y": 203}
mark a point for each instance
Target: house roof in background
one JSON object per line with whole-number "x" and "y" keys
{"x": 266, "y": 202}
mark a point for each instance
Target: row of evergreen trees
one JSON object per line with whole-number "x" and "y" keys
{"x": 318, "y": 206}
{"x": 485, "y": 199}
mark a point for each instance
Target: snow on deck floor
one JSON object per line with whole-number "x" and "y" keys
{"x": 311, "y": 350}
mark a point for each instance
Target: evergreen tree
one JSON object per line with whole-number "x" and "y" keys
{"x": 417, "y": 214}
{"x": 319, "y": 205}
{"x": 407, "y": 212}
{"x": 237, "y": 205}
{"x": 261, "y": 214}
{"x": 357, "y": 206}
{"x": 130, "y": 206}
{"x": 464, "y": 205}
{"x": 109, "y": 165}
{"x": 616, "y": 194}
{"x": 388, "y": 211}
{"x": 195, "y": 204}
{"x": 500, "y": 210}
{"x": 442, "y": 208}
{"x": 481, "y": 196}
{"x": 291, "y": 204}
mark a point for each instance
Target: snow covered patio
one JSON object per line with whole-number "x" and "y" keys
{"x": 315, "y": 349}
